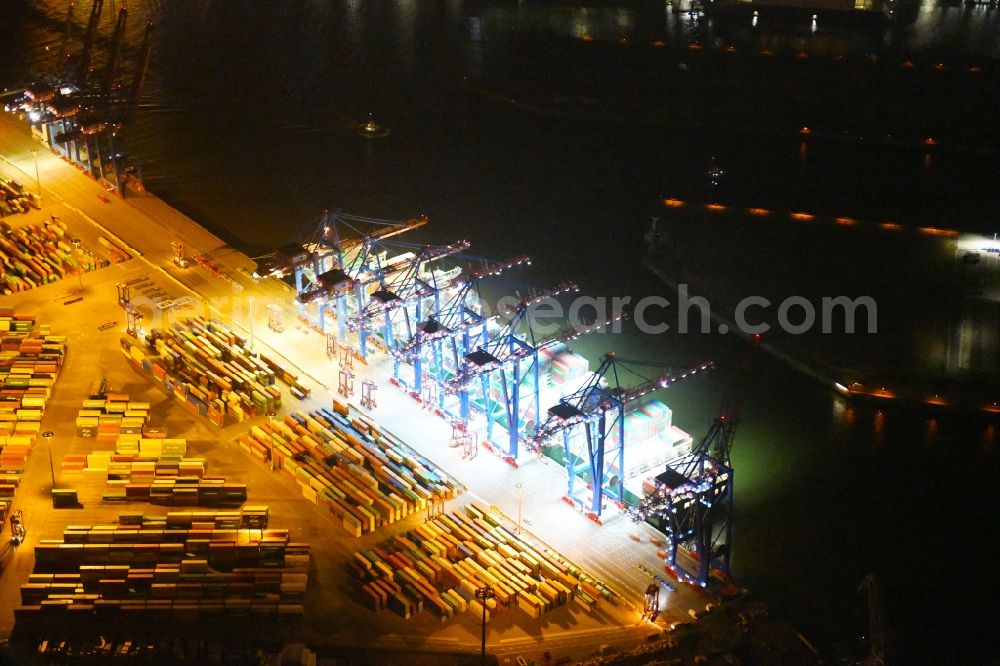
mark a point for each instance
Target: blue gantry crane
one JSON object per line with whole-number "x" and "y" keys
{"x": 599, "y": 407}
{"x": 405, "y": 288}
{"x": 452, "y": 349}
{"x": 509, "y": 350}
{"x": 441, "y": 340}
{"x": 693, "y": 499}
{"x": 335, "y": 258}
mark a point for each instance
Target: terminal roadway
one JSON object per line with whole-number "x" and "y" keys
{"x": 618, "y": 553}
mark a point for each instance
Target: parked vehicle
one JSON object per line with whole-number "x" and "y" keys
{"x": 18, "y": 530}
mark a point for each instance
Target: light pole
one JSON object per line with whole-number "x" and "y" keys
{"x": 251, "y": 320}
{"x": 38, "y": 181}
{"x": 79, "y": 258}
{"x": 520, "y": 498}
{"x": 484, "y": 593}
{"x": 270, "y": 439}
{"x": 48, "y": 445}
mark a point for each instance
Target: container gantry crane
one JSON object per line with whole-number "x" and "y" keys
{"x": 441, "y": 340}
{"x": 449, "y": 337}
{"x": 78, "y": 114}
{"x": 328, "y": 263}
{"x": 374, "y": 270}
{"x": 513, "y": 356}
{"x": 693, "y": 499}
{"x": 83, "y": 64}
{"x": 404, "y": 287}
{"x": 599, "y": 406}
{"x": 877, "y": 627}
{"x": 358, "y": 261}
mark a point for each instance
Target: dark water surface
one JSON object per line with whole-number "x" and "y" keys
{"x": 248, "y": 125}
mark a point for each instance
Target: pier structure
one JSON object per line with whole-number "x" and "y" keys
{"x": 451, "y": 349}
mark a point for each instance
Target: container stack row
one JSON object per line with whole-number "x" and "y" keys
{"x": 212, "y": 370}
{"x": 150, "y": 447}
{"x": 179, "y": 491}
{"x": 141, "y": 470}
{"x": 139, "y": 569}
{"x": 162, "y": 452}
{"x": 440, "y": 564}
{"x": 33, "y": 255}
{"x": 365, "y": 477}
{"x": 247, "y": 517}
{"x": 110, "y": 416}
{"x": 138, "y": 460}
{"x": 222, "y": 548}
{"x": 110, "y": 466}
{"x": 153, "y": 470}
{"x": 8, "y": 484}
{"x": 14, "y": 198}
{"x": 30, "y": 360}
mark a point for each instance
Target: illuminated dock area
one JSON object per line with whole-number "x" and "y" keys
{"x": 617, "y": 555}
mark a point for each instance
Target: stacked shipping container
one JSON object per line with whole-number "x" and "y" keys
{"x": 211, "y": 370}
{"x": 154, "y": 470}
{"x": 362, "y": 475}
{"x": 178, "y": 567}
{"x": 108, "y": 417}
{"x": 440, "y": 564}
{"x": 30, "y": 360}
{"x": 31, "y": 256}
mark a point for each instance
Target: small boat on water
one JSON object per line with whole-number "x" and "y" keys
{"x": 371, "y": 129}
{"x": 715, "y": 173}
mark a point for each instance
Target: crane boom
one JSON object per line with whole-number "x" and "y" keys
{"x": 499, "y": 348}
{"x": 111, "y": 69}
{"x": 67, "y": 35}
{"x": 383, "y": 233}
{"x": 665, "y": 380}
{"x": 143, "y": 66}
{"x": 88, "y": 41}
